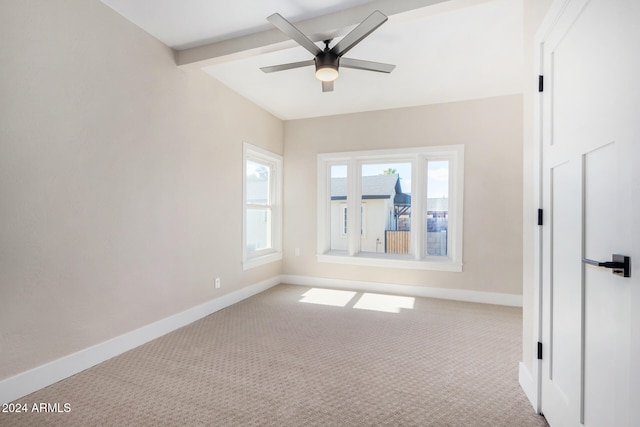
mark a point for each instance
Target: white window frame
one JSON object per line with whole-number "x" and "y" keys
{"x": 419, "y": 158}
{"x": 274, "y": 161}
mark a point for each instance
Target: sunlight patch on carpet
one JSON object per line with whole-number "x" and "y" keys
{"x": 363, "y": 301}
{"x": 327, "y": 297}
{"x": 386, "y": 303}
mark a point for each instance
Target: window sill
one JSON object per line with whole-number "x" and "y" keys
{"x": 392, "y": 261}
{"x": 257, "y": 261}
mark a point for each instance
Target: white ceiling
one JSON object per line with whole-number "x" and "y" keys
{"x": 445, "y": 51}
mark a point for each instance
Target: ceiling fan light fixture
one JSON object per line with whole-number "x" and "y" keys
{"x": 327, "y": 66}
{"x": 327, "y": 60}
{"x": 327, "y": 73}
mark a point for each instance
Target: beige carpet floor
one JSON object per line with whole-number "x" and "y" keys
{"x": 296, "y": 356}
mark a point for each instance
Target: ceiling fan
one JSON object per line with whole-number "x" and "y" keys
{"x": 329, "y": 60}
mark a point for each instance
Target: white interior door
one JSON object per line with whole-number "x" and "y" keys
{"x": 591, "y": 199}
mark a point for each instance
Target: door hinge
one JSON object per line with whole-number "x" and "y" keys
{"x": 540, "y": 83}
{"x": 539, "y": 350}
{"x": 539, "y": 216}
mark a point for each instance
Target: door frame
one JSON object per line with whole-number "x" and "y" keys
{"x": 558, "y": 12}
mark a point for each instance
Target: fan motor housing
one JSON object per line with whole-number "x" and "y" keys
{"x": 327, "y": 60}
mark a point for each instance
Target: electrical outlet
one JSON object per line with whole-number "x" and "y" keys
{"x": 217, "y": 283}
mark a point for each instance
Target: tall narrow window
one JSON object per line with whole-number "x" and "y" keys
{"x": 262, "y": 207}
{"x": 338, "y": 202}
{"x": 437, "y": 207}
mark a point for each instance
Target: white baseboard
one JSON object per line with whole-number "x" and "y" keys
{"x": 528, "y": 386}
{"x": 414, "y": 291}
{"x": 34, "y": 379}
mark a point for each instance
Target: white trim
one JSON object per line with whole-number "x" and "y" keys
{"x": 257, "y": 261}
{"x": 409, "y": 290}
{"x": 418, "y": 157}
{"x": 534, "y": 387}
{"x": 27, "y": 382}
{"x": 553, "y": 15}
{"x": 391, "y": 261}
{"x": 34, "y": 379}
{"x": 528, "y": 385}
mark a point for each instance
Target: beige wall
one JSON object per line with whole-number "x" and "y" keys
{"x": 120, "y": 181}
{"x": 490, "y": 129}
{"x": 117, "y": 170}
{"x": 534, "y": 11}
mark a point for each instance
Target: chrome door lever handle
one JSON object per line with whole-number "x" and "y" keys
{"x": 620, "y": 264}
{"x": 606, "y": 264}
